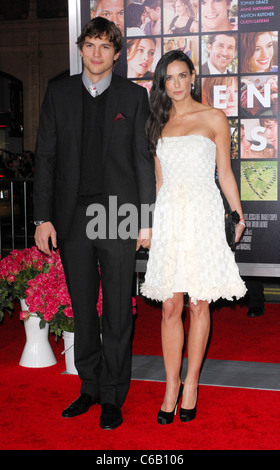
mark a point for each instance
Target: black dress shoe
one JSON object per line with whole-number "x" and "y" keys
{"x": 255, "y": 312}
{"x": 81, "y": 405}
{"x": 111, "y": 416}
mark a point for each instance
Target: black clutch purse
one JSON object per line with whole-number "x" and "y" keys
{"x": 231, "y": 220}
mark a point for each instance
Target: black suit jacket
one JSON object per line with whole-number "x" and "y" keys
{"x": 127, "y": 163}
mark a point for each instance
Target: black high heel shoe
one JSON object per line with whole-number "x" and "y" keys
{"x": 166, "y": 417}
{"x": 187, "y": 415}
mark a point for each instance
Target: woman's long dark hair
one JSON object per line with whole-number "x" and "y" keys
{"x": 160, "y": 103}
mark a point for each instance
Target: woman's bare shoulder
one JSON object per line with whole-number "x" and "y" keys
{"x": 214, "y": 114}
{"x": 215, "y": 121}
{"x": 217, "y": 118}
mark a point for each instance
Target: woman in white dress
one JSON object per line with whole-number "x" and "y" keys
{"x": 188, "y": 251}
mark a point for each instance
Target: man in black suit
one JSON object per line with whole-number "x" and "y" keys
{"x": 92, "y": 150}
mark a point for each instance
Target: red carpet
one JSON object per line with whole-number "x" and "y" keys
{"x": 228, "y": 419}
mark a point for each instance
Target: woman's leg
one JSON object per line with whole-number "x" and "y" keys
{"x": 197, "y": 342}
{"x": 172, "y": 337}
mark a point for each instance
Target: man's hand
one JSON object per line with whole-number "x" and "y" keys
{"x": 144, "y": 238}
{"x": 43, "y": 233}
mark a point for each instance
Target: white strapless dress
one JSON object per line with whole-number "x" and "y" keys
{"x": 189, "y": 252}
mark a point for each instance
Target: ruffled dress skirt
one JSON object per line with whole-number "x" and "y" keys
{"x": 189, "y": 252}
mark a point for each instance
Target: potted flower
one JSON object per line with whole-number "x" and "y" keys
{"x": 16, "y": 270}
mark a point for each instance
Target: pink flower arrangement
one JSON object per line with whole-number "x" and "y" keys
{"x": 29, "y": 260}
{"x": 16, "y": 270}
{"x": 41, "y": 281}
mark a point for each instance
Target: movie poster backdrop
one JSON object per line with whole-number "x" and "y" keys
{"x": 234, "y": 47}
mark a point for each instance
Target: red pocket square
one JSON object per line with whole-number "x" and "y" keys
{"x": 119, "y": 116}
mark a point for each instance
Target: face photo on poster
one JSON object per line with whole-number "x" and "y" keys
{"x": 136, "y": 18}
{"x": 144, "y": 15}
{"x": 180, "y": 17}
{"x": 221, "y": 92}
{"x": 219, "y": 15}
{"x": 187, "y": 44}
{"x": 259, "y": 52}
{"x": 112, "y": 10}
{"x": 270, "y": 126}
{"x": 259, "y": 96}
{"x": 142, "y": 56}
{"x": 219, "y": 53}
{"x": 258, "y": 138}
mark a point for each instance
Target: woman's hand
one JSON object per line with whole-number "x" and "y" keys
{"x": 144, "y": 238}
{"x": 239, "y": 229}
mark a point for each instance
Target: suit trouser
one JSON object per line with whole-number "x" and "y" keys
{"x": 105, "y": 364}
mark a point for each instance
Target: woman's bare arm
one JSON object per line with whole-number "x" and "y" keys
{"x": 225, "y": 174}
